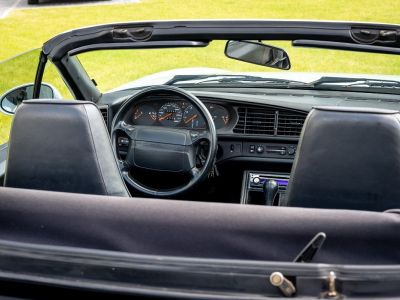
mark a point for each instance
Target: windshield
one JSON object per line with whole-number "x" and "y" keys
{"x": 196, "y": 65}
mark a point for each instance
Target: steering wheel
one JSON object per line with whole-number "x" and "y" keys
{"x": 164, "y": 149}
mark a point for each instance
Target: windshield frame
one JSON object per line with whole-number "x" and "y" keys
{"x": 61, "y": 49}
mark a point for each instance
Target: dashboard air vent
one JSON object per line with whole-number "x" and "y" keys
{"x": 255, "y": 121}
{"x": 269, "y": 121}
{"x": 290, "y": 123}
{"x": 104, "y": 113}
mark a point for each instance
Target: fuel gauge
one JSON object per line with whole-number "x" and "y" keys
{"x": 144, "y": 115}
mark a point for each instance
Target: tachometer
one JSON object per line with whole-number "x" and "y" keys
{"x": 220, "y": 115}
{"x": 144, "y": 115}
{"x": 170, "y": 114}
{"x": 192, "y": 118}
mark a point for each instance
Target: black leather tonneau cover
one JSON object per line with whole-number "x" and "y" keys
{"x": 193, "y": 229}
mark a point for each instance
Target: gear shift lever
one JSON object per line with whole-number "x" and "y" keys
{"x": 270, "y": 188}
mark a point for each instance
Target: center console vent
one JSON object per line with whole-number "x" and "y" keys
{"x": 290, "y": 123}
{"x": 255, "y": 121}
{"x": 269, "y": 121}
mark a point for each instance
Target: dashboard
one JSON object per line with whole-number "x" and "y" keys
{"x": 245, "y": 130}
{"x": 250, "y": 136}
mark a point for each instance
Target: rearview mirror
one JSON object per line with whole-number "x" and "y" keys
{"x": 12, "y": 98}
{"x": 258, "y": 53}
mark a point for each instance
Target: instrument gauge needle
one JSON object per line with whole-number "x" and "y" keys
{"x": 138, "y": 115}
{"x": 191, "y": 119}
{"x": 165, "y": 116}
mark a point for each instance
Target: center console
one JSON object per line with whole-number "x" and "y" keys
{"x": 253, "y": 187}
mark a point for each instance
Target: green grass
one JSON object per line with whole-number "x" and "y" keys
{"x": 28, "y": 29}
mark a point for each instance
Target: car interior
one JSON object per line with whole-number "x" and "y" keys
{"x": 219, "y": 173}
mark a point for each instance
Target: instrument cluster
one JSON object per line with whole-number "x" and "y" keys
{"x": 180, "y": 114}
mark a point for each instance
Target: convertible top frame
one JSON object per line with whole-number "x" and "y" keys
{"x": 345, "y": 32}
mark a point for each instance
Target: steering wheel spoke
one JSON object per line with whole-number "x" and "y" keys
{"x": 194, "y": 172}
{"x": 124, "y": 166}
{"x": 198, "y": 136}
{"x": 128, "y": 129}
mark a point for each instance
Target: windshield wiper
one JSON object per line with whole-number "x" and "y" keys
{"x": 324, "y": 83}
{"x": 210, "y": 79}
{"x": 356, "y": 82}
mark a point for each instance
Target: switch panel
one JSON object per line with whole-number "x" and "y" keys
{"x": 270, "y": 150}
{"x": 229, "y": 149}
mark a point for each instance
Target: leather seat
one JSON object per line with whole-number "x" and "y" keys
{"x": 348, "y": 158}
{"x": 62, "y": 146}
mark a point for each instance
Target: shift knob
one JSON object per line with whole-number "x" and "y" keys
{"x": 270, "y": 190}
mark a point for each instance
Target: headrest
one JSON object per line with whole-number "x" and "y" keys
{"x": 62, "y": 146}
{"x": 348, "y": 158}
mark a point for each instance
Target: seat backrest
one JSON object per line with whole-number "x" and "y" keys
{"x": 62, "y": 146}
{"x": 197, "y": 229}
{"x": 348, "y": 158}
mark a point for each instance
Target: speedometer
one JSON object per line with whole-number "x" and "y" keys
{"x": 170, "y": 114}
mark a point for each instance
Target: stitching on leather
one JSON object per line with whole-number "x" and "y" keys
{"x": 296, "y": 159}
{"x": 115, "y": 158}
{"x": 95, "y": 151}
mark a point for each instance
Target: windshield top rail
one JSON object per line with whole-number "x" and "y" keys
{"x": 356, "y": 33}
